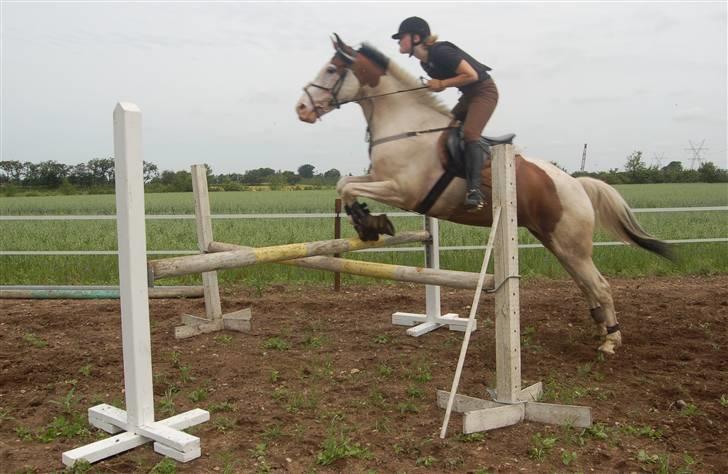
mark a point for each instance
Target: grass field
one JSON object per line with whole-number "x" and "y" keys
{"x": 180, "y": 234}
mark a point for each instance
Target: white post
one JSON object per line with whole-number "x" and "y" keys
{"x": 432, "y": 260}
{"x": 137, "y": 422}
{"x": 433, "y": 318}
{"x": 131, "y": 236}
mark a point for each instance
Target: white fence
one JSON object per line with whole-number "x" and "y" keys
{"x": 309, "y": 216}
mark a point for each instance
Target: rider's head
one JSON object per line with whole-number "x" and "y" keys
{"x": 413, "y": 31}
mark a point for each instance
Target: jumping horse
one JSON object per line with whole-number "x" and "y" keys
{"x": 413, "y": 148}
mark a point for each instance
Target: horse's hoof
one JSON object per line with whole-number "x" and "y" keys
{"x": 388, "y": 227}
{"x": 611, "y": 342}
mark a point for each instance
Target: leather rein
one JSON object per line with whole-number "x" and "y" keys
{"x": 336, "y": 88}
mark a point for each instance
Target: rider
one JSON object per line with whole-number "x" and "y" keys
{"x": 449, "y": 66}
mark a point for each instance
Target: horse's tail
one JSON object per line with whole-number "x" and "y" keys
{"x": 614, "y": 215}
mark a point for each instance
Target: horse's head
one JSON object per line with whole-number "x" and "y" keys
{"x": 338, "y": 82}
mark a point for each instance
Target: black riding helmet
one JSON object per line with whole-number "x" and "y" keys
{"x": 414, "y": 25}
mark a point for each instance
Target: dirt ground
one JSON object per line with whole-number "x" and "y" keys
{"x": 325, "y": 383}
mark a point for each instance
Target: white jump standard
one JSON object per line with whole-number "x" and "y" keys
{"x": 135, "y": 426}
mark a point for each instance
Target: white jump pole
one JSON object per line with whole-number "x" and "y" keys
{"x": 433, "y": 318}
{"x": 136, "y": 425}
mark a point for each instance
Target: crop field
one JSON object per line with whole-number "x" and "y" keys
{"x": 693, "y": 258}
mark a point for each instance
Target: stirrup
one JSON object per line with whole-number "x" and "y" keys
{"x": 471, "y": 205}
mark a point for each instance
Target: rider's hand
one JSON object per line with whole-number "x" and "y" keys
{"x": 435, "y": 85}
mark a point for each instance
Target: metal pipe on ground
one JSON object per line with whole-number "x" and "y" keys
{"x": 426, "y": 276}
{"x": 71, "y": 292}
{"x": 186, "y": 265}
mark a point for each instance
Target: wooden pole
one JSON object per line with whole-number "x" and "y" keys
{"x": 250, "y": 256}
{"x": 213, "y": 306}
{"x": 471, "y": 320}
{"x": 426, "y": 276}
{"x": 507, "y": 317}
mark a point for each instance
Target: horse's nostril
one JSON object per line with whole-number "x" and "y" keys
{"x": 301, "y": 106}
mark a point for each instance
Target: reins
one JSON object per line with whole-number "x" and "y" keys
{"x": 334, "y": 90}
{"x": 381, "y": 95}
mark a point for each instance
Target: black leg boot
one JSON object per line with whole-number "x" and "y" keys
{"x": 474, "y": 160}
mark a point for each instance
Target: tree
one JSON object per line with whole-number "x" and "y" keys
{"x": 13, "y": 169}
{"x": 635, "y": 167}
{"x": 102, "y": 170}
{"x": 151, "y": 172}
{"x": 258, "y": 176}
{"x": 332, "y": 173}
{"x": 709, "y": 173}
{"x": 306, "y": 171}
{"x": 51, "y": 173}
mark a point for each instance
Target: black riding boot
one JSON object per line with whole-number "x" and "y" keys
{"x": 474, "y": 160}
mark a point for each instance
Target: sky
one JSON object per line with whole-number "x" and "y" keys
{"x": 217, "y": 82}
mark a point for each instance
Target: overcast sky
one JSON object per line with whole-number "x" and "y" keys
{"x": 217, "y": 83}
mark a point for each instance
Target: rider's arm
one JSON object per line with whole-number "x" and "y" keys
{"x": 465, "y": 75}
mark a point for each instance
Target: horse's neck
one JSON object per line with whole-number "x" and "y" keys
{"x": 399, "y": 113}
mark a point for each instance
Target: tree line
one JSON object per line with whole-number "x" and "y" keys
{"x": 97, "y": 176}
{"x": 636, "y": 171}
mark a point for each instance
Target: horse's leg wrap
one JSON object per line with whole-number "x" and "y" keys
{"x": 367, "y": 226}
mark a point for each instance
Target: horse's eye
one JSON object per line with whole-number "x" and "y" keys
{"x": 331, "y": 69}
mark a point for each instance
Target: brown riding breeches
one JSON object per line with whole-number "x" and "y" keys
{"x": 475, "y": 107}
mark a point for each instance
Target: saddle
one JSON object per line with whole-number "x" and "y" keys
{"x": 454, "y": 162}
{"x": 455, "y": 149}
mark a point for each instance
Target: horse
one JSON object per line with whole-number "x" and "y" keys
{"x": 407, "y": 129}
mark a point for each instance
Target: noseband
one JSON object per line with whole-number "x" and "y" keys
{"x": 333, "y": 90}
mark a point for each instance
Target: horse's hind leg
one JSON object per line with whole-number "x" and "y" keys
{"x": 598, "y": 293}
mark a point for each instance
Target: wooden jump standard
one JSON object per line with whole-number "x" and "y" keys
{"x": 511, "y": 404}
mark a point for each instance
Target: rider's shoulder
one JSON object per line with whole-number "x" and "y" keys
{"x": 443, "y": 48}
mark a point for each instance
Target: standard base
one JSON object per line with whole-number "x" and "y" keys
{"x": 168, "y": 438}
{"x": 194, "y": 325}
{"x": 485, "y": 415}
{"x": 424, "y": 324}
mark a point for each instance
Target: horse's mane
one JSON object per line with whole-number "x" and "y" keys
{"x": 407, "y": 80}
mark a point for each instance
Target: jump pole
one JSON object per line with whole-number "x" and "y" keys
{"x": 135, "y": 426}
{"x": 421, "y": 275}
{"x": 511, "y": 404}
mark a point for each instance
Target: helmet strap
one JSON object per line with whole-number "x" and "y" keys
{"x": 413, "y": 44}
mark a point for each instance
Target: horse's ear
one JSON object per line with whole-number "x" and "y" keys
{"x": 342, "y": 49}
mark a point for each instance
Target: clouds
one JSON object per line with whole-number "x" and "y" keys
{"x": 218, "y": 82}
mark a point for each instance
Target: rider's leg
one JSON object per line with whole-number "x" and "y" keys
{"x": 481, "y": 102}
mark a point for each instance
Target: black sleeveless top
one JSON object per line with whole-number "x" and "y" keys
{"x": 444, "y": 58}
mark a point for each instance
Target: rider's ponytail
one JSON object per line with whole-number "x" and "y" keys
{"x": 429, "y": 41}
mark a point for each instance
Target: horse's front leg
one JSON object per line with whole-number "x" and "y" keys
{"x": 344, "y": 180}
{"x": 369, "y": 226}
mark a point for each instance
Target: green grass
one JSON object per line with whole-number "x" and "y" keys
{"x": 181, "y": 235}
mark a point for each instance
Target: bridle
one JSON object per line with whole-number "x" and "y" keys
{"x": 333, "y": 90}
{"x": 336, "y": 88}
